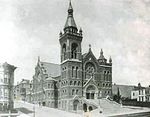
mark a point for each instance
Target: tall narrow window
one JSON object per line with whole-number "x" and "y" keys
{"x": 77, "y": 91}
{"x": 64, "y": 51}
{"x": 76, "y": 72}
{"x": 72, "y": 91}
{"x": 74, "y": 47}
{"x": 72, "y": 70}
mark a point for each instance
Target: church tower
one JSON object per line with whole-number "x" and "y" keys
{"x": 71, "y": 64}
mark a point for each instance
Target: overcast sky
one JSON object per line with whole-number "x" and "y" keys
{"x": 30, "y": 28}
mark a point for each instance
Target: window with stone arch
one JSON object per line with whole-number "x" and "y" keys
{"x": 72, "y": 71}
{"x": 73, "y": 91}
{"x": 75, "y": 82}
{"x": 76, "y": 72}
{"x": 89, "y": 70}
{"x": 107, "y": 75}
{"x": 64, "y": 51}
{"x": 78, "y": 83}
{"x": 70, "y": 82}
{"x": 77, "y": 91}
{"x": 74, "y": 49}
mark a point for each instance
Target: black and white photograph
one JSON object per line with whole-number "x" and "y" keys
{"x": 74, "y": 58}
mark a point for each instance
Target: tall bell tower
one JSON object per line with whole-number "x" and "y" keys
{"x": 71, "y": 64}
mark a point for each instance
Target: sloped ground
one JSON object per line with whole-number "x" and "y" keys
{"x": 108, "y": 108}
{"x": 111, "y": 108}
{"x": 24, "y": 110}
{"x": 27, "y": 108}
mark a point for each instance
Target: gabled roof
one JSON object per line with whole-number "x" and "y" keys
{"x": 90, "y": 53}
{"x": 24, "y": 81}
{"x": 50, "y": 78}
{"x": 53, "y": 70}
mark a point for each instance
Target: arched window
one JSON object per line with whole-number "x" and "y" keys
{"x": 65, "y": 72}
{"x": 104, "y": 75}
{"x": 103, "y": 85}
{"x": 78, "y": 83}
{"x": 72, "y": 91}
{"x": 89, "y": 70}
{"x": 72, "y": 71}
{"x": 74, "y": 48}
{"x": 76, "y": 72}
{"x": 107, "y": 75}
{"x": 74, "y": 82}
{"x": 77, "y": 91}
{"x": 70, "y": 82}
{"x": 64, "y": 51}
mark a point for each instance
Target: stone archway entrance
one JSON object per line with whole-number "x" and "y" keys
{"x": 75, "y": 105}
{"x": 90, "y": 92}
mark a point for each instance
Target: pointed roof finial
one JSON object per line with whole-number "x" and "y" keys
{"x": 101, "y": 53}
{"x": 110, "y": 59}
{"x": 70, "y": 23}
{"x": 70, "y": 5}
{"x": 60, "y": 34}
{"x": 89, "y": 47}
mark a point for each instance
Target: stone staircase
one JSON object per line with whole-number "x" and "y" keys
{"x": 104, "y": 104}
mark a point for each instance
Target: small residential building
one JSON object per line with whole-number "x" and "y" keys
{"x": 141, "y": 94}
{"x": 6, "y": 86}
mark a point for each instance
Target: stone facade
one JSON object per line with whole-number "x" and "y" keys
{"x": 23, "y": 90}
{"x": 45, "y": 88}
{"x": 79, "y": 76}
{"x": 6, "y": 86}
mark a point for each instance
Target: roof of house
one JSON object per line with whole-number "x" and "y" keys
{"x": 53, "y": 70}
{"x": 125, "y": 90}
{"x": 50, "y": 79}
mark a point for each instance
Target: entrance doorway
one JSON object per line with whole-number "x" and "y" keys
{"x": 90, "y": 92}
{"x": 43, "y": 103}
{"x": 75, "y": 105}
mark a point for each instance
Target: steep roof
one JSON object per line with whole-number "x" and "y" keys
{"x": 53, "y": 70}
{"x": 70, "y": 22}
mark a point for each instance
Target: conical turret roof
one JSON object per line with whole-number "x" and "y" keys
{"x": 70, "y": 22}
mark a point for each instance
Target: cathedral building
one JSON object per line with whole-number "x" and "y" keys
{"x": 79, "y": 79}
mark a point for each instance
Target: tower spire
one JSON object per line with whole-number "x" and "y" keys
{"x": 70, "y": 9}
{"x": 110, "y": 60}
{"x": 101, "y": 54}
{"x": 70, "y": 22}
{"x": 89, "y": 47}
{"x": 102, "y": 58}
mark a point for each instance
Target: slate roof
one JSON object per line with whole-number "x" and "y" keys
{"x": 53, "y": 70}
{"x": 125, "y": 90}
{"x": 84, "y": 55}
{"x": 70, "y": 22}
